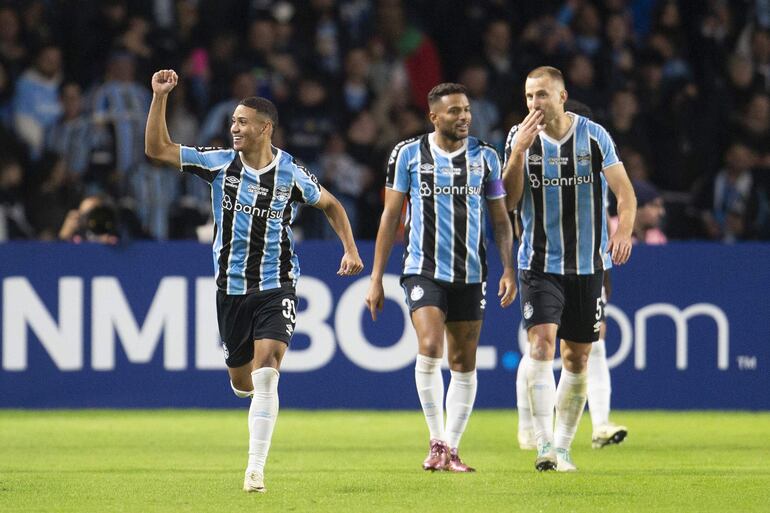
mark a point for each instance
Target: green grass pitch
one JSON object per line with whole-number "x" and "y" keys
{"x": 349, "y": 462}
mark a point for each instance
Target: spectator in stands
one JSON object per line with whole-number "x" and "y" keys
{"x": 6, "y": 92}
{"x": 627, "y": 126}
{"x": 69, "y": 138}
{"x": 309, "y": 121}
{"x": 618, "y": 56}
{"x": 13, "y": 218}
{"x": 486, "y": 115}
{"x": 417, "y": 51}
{"x": 36, "y": 99}
{"x": 215, "y": 130}
{"x": 649, "y": 214}
{"x": 742, "y": 82}
{"x": 13, "y": 53}
{"x": 95, "y": 220}
{"x": 345, "y": 178}
{"x": 753, "y": 127}
{"x": 499, "y": 60}
{"x": 583, "y": 87}
{"x": 731, "y": 204}
{"x": 56, "y": 191}
{"x": 587, "y": 27}
{"x": 120, "y": 105}
{"x": 356, "y": 92}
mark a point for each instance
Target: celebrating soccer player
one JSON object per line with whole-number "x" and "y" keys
{"x": 559, "y": 165}
{"x": 256, "y": 189}
{"x": 599, "y": 385}
{"x": 444, "y": 176}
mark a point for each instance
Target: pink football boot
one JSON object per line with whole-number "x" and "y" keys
{"x": 438, "y": 456}
{"x": 456, "y": 464}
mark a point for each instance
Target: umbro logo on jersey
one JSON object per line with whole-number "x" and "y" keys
{"x": 426, "y": 168}
{"x": 232, "y": 181}
{"x": 535, "y": 160}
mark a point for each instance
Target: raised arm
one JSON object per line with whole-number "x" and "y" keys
{"x": 386, "y": 234}
{"x": 513, "y": 174}
{"x": 503, "y": 232}
{"x": 157, "y": 142}
{"x": 620, "y": 241}
{"x": 351, "y": 262}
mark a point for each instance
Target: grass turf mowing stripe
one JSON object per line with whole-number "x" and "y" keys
{"x": 193, "y": 460}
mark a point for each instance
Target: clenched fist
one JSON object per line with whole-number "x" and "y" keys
{"x": 164, "y": 81}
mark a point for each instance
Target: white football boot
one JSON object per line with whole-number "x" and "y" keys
{"x": 564, "y": 461}
{"x": 608, "y": 434}
{"x": 254, "y": 482}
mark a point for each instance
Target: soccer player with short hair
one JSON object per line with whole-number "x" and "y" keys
{"x": 599, "y": 386}
{"x": 559, "y": 165}
{"x": 445, "y": 176}
{"x": 256, "y": 190}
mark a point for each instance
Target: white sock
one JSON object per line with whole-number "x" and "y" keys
{"x": 522, "y": 397}
{"x": 599, "y": 385}
{"x": 570, "y": 402}
{"x": 541, "y": 388}
{"x": 460, "y": 397}
{"x": 430, "y": 389}
{"x": 262, "y": 415}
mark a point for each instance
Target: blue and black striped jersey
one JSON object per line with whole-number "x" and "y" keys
{"x": 253, "y": 209}
{"x": 564, "y": 222}
{"x": 445, "y": 228}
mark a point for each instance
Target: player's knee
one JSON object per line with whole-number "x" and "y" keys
{"x": 462, "y": 361}
{"x": 432, "y": 346}
{"x": 541, "y": 347}
{"x": 240, "y": 392}
{"x": 575, "y": 361}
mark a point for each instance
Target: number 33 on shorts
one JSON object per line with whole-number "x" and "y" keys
{"x": 290, "y": 312}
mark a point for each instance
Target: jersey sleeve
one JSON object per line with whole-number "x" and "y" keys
{"x": 306, "y": 187}
{"x": 204, "y": 162}
{"x": 493, "y": 182}
{"x": 509, "y": 144}
{"x": 398, "y": 169}
{"x": 607, "y": 147}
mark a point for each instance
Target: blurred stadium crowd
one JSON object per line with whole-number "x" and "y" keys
{"x": 682, "y": 86}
